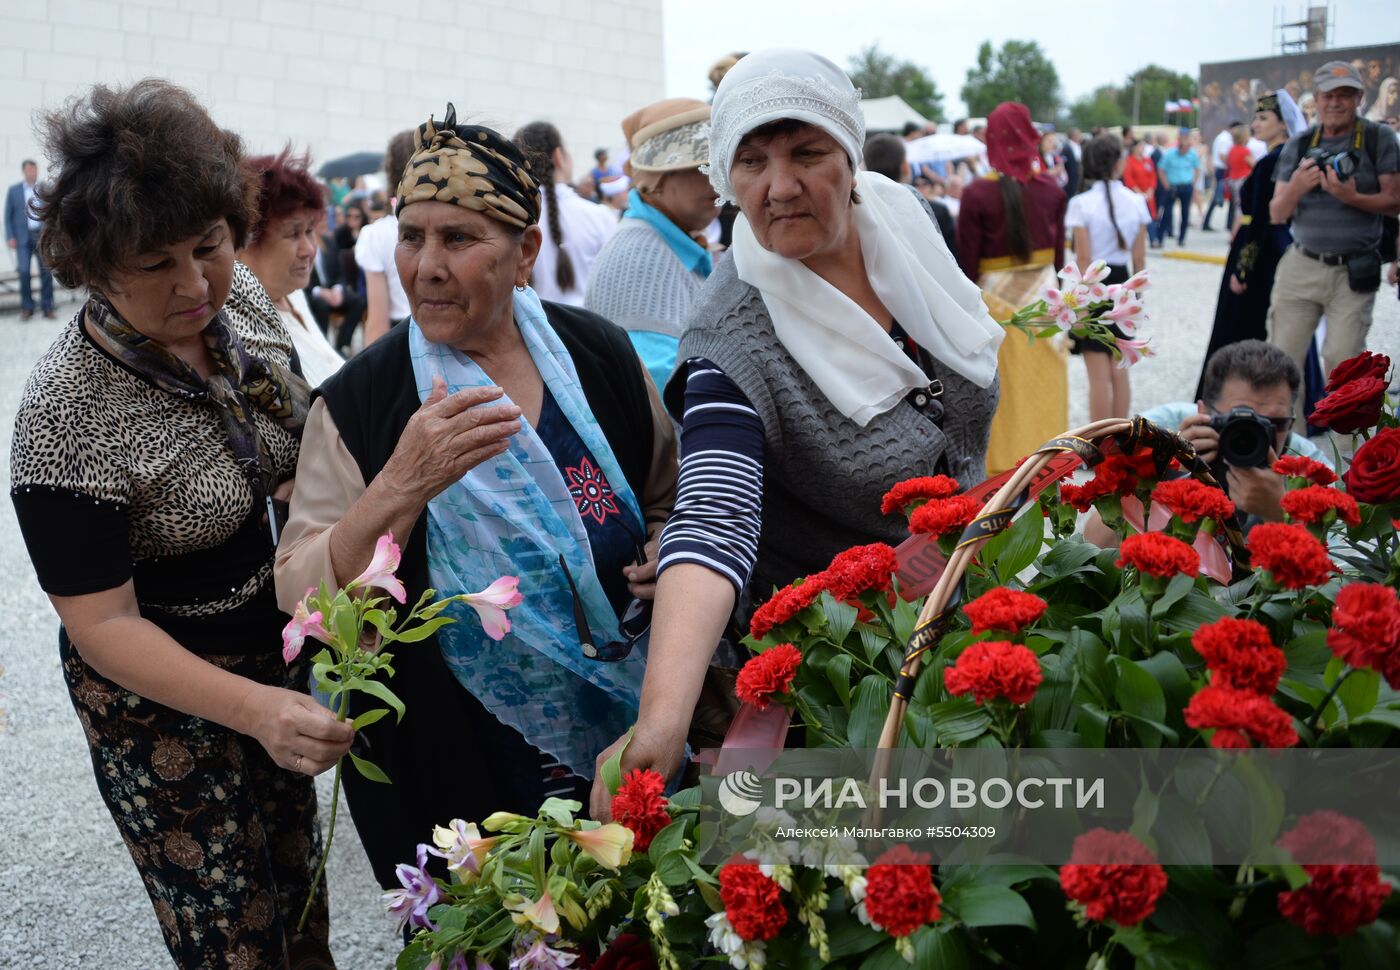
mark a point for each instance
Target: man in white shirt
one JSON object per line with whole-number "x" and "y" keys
{"x": 386, "y": 301}
{"x": 1219, "y": 157}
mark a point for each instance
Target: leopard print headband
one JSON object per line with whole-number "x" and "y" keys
{"x": 471, "y": 166}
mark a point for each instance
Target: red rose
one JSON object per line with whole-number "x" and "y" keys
{"x": 752, "y": 901}
{"x": 1240, "y": 655}
{"x": 1114, "y": 876}
{"x": 1158, "y": 554}
{"x": 627, "y": 952}
{"x": 1239, "y": 717}
{"x": 1191, "y": 501}
{"x": 860, "y": 569}
{"x": 1336, "y": 900}
{"x": 1296, "y": 466}
{"x": 1291, "y": 554}
{"x": 1374, "y": 475}
{"x": 995, "y": 669}
{"x": 767, "y": 674}
{"x": 1310, "y": 505}
{"x": 1364, "y": 364}
{"x": 1007, "y": 610}
{"x": 641, "y": 807}
{"x": 899, "y": 893}
{"x": 1351, "y": 407}
{"x": 906, "y": 493}
{"x": 942, "y": 516}
{"x": 1366, "y": 629}
{"x": 785, "y": 604}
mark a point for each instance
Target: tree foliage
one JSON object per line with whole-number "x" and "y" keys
{"x": 1112, "y": 104}
{"x": 1020, "y": 71}
{"x": 1099, "y": 109}
{"x": 879, "y": 75}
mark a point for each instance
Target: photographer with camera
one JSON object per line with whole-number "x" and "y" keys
{"x": 1240, "y": 427}
{"x": 1338, "y": 182}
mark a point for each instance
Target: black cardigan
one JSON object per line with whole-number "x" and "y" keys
{"x": 449, "y": 757}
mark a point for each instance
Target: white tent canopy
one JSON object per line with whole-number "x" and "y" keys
{"x": 889, "y": 114}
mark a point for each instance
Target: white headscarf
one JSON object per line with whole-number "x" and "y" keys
{"x": 1291, "y": 114}
{"x": 845, "y": 352}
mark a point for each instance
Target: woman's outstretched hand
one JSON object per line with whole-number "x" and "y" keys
{"x": 661, "y": 751}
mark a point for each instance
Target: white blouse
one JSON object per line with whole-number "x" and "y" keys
{"x": 319, "y": 359}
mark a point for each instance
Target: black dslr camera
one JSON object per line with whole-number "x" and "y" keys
{"x": 1245, "y": 437}
{"x": 1342, "y": 163}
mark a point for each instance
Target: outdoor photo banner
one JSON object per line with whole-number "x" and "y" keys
{"x": 1229, "y": 89}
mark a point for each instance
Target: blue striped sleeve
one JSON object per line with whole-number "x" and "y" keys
{"x": 719, "y": 498}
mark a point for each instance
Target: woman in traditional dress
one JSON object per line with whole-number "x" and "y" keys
{"x": 493, "y": 435}
{"x": 1011, "y": 240}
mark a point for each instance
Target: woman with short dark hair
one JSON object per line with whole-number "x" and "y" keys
{"x": 153, "y": 440}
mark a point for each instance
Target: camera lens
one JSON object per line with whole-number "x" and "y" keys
{"x": 1245, "y": 441}
{"x": 1344, "y": 165}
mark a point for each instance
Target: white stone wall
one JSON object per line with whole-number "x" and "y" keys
{"x": 342, "y": 75}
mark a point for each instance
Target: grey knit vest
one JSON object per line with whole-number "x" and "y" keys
{"x": 823, "y": 474}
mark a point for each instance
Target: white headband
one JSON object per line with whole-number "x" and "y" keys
{"x": 775, "y": 84}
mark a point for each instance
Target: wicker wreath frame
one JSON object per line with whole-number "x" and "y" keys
{"x": 996, "y": 515}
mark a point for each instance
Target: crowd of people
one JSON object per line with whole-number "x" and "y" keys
{"x": 652, "y": 413}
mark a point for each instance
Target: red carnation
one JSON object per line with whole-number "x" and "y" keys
{"x": 1374, "y": 475}
{"x": 785, "y": 604}
{"x": 1296, "y": 466}
{"x": 1114, "y": 876}
{"x": 860, "y": 569}
{"x": 906, "y": 493}
{"x": 1330, "y": 838}
{"x": 1336, "y": 900}
{"x": 767, "y": 674}
{"x": 899, "y": 893}
{"x": 1310, "y": 505}
{"x": 1006, "y": 610}
{"x": 993, "y": 669}
{"x": 1158, "y": 554}
{"x": 1291, "y": 554}
{"x": 641, "y": 807}
{"x": 1240, "y": 655}
{"x": 1191, "y": 501}
{"x": 1364, "y": 364}
{"x": 1353, "y": 406}
{"x": 627, "y": 952}
{"x": 1238, "y": 717}
{"x": 1115, "y": 475}
{"x": 942, "y": 516}
{"x": 752, "y": 901}
{"x": 1366, "y": 629}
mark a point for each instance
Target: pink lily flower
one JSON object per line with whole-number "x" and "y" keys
{"x": 1127, "y": 311}
{"x": 1064, "y": 305}
{"x": 463, "y": 846}
{"x": 1132, "y": 351}
{"x": 491, "y": 605}
{"x": 379, "y": 574}
{"x": 303, "y": 624}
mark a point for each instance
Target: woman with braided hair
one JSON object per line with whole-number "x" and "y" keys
{"x": 1109, "y": 222}
{"x": 574, "y": 228}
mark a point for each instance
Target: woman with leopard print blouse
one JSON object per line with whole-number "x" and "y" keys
{"x": 151, "y": 442}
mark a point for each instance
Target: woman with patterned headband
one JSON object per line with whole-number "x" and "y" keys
{"x": 493, "y": 434}
{"x": 838, "y": 349}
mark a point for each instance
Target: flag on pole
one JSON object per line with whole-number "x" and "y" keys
{"x": 1169, "y": 107}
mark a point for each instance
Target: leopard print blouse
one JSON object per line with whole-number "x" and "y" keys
{"x": 113, "y": 477}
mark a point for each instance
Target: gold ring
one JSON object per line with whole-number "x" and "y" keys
{"x": 297, "y": 766}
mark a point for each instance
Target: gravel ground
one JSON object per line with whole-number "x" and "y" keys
{"x": 54, "y": 824}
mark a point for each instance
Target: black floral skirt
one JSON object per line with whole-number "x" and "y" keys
{"x": 226, "y": 841}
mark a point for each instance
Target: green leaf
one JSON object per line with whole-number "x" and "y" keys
{"x": 838, "y": 672}
{"x": 869, "y": 706}
{"x": 958, "y": 721}
{"x": 423, "y": 630}
{"x": 980, "y": 905}
{"x": 673, "y": 868}
{"x": 1380, "y": 715}
{"x": 1179, "y": 586}
{"x": 1140, "y": 696}
{"x": 415, "y": 956}
{"x": 1166, "y": 668}
{"x": 369, "y": 769}
{"x": 368, "y": 717}
{"x": 840, "y": 618}
{"x": 1023, "y": 541}
{"x": 1359, "y": 692}
{"x": 1067, "y": 557}
{"x": 667, "y": 840}
{"x": 612, "y": 768}
{"x": 379, "y": 689}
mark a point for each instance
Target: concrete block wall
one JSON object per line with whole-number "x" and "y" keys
{"x": 341, "y": 75}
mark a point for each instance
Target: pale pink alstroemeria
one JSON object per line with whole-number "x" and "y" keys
{"x": 1064, "y": 305}
{"x": 463, "y": 846}
{"x": 303, "y": 624}
{"x": 608, "y": 845}
{"x": 379, "y": 574}
{"x": 1088, "y": 284}
{"x": 1137, "y": 282}
{"x": 1132, "y": 351}
{"x": 539, "y": 914}
{"x": 491, "y": 605}
{"x": 1127, "y": 311}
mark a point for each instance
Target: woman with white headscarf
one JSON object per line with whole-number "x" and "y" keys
{"x": 839, "y": 350}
